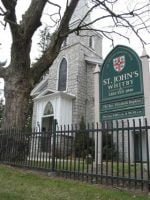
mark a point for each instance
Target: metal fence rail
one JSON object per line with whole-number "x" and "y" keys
{"x": 116, "y": 153}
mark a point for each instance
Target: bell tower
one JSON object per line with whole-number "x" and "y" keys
{"x": 80, "y": 12}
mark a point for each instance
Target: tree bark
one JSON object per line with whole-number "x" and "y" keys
{"x": 17, "y": 84}
{"x": 17, "y": 93}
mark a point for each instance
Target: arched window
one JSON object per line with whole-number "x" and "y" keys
{"x": 62, "y": 81}
{"x": 48, "y": 109}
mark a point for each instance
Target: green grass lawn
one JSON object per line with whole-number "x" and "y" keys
{"x": 24, "y": 185}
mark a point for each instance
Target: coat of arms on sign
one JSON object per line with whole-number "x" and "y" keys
{"x": 119, "y": 63}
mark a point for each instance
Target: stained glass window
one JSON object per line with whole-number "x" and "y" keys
{"x": 62, "y": 81}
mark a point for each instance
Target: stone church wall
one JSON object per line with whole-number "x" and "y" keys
{"x": 80, "y": 78}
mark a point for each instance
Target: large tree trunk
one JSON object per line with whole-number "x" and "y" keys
{"x": 17, "y": 94}
{"x": 17, "y": 85}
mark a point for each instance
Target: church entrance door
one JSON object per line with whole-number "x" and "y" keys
{"x": 46, "y": 137}
{"x": 47, "y": 124}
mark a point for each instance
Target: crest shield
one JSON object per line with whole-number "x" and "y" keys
{"x": 119, "y": 63}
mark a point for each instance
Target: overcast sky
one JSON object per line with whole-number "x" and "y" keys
{"x": 5, "y": 37}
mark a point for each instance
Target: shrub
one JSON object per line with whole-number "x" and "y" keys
{"x": 83, "y": 144}
{"x": 108, "y": 147}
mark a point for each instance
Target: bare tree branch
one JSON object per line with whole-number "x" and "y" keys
{"x": 107, "y": 34}
{"x": 10, "y": 14}
{"x": 31, "y": 20}
{"x": 89, "y": 11}
{"x": 59, "y": 8}
{"x": 67, "y": 3}
{"x": 2, "y": 24}
{"x": 2, "y": 12}
{"x": 124, "y": 20}
{"x": 53, "y": 20}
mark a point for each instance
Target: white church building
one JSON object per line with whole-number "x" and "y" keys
{"x": 66, "y": 92}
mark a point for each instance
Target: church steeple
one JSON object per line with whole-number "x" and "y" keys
{"x": 80, "y": 11}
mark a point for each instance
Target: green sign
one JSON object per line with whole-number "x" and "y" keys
{"x": 121, "y": 85}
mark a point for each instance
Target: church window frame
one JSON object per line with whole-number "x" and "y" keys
{"x": 62, "y": 86}
{"x": 91, "y": 42}
{"x": 48, "y": 110}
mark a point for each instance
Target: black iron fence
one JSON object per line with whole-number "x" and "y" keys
{"x": 116, "y": 153}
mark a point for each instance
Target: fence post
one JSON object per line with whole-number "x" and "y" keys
{"x": 54, "y": 144}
